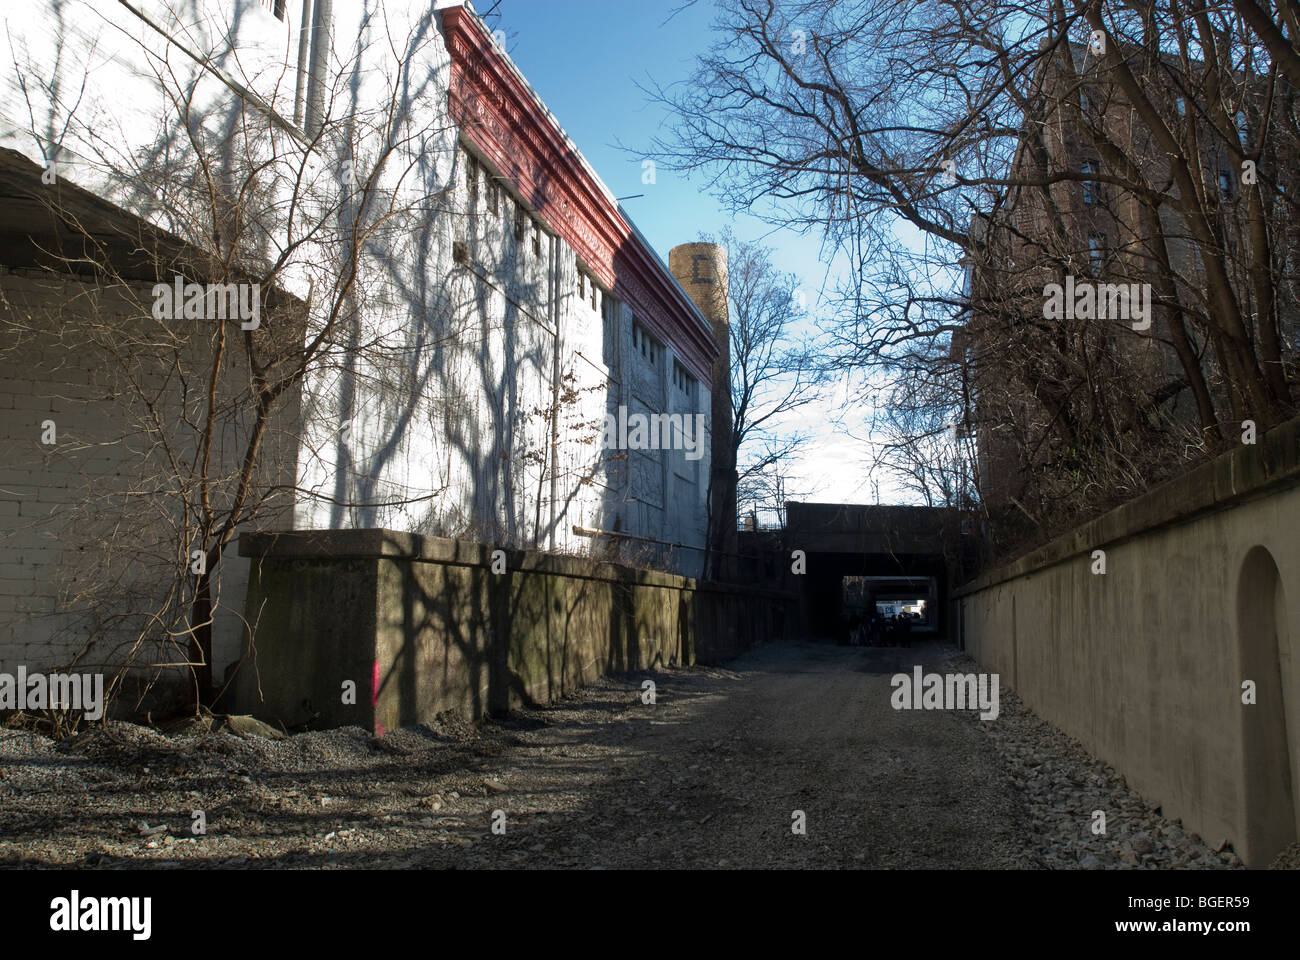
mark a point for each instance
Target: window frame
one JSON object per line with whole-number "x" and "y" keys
{"x": 1091, "y": 188}
{"x": 471, "y": 179}
{"x": 643, "y": 340}
{"x": 1097, "y": 253}
{"x": 683, "y": 380}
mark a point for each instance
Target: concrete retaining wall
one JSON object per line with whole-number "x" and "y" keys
{"x": 1145, "y": 665}
{"x": 423, "y": 626}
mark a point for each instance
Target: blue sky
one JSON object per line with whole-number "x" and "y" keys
{"x": 585, "y": 58}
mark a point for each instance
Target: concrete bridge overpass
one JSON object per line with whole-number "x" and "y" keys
{"x": 923, "y": 552}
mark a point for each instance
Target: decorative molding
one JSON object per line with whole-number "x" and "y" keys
{"x": 504, "y": 119}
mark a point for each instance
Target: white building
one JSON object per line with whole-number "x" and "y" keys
{"x": 451, "y": 303}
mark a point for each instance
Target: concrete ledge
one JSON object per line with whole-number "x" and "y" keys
{"x": 1228, "y": 480}
{"x": 407, "y": 627}
{"x": 1146, "y": 663}
{"x": 377, "y": 544}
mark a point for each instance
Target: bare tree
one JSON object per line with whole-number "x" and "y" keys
{"x": 767, "y": 491}
{"x": 920, "y": 446}
{"x": 962, "y": 156}
{"x": 230, "y": 327}
{"x": 776, "y": 369}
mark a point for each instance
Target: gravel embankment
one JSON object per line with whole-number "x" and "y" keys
{"x": 1064, "y": 785}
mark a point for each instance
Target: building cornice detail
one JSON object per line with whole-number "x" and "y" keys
{"x": 501, "y": 116}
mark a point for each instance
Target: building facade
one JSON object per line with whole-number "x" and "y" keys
{"x": 453, "y": 311}
{"x": 1137, "y": 276}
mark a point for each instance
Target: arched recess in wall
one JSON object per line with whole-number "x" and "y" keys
{"x": 1269, "y": 726}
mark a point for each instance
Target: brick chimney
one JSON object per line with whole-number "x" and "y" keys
{"x": 701, "y": 269}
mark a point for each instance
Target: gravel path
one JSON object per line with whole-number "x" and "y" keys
{"x": 709, "y": 776}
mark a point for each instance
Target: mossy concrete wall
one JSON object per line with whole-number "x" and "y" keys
{"x": 420, "y": 626}
{"x": 1145, "y": 664}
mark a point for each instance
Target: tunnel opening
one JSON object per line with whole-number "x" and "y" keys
{"x": 841, "y": 590}
{"x": 913, "y": 600}
{"x": 900, "y": 560}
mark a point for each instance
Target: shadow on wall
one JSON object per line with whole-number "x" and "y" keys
{"x": 1271, "y": 725}
{"x": 473, "y": 399}
{"x": 465, "y": 353}
{"x": 464, "y": 638}
{"x": 415, "y": 627}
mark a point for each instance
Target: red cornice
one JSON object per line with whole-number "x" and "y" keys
{"x": 501, "y": 116}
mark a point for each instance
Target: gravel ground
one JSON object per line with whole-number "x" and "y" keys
{"x": 710, "y": 776}
{"x": 1064, "y": 785}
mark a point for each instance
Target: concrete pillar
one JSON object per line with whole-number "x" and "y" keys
{"x": 701, "y": 269}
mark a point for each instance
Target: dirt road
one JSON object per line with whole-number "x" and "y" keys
{"x": 711, "y": 775}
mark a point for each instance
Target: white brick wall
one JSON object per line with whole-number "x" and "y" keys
{"x": 68, "y": 536}
{"x": 489, "y": 390}
{"x": 411, "y": 440}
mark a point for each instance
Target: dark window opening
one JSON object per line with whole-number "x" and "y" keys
{"x": 471, "y": 177}
{"x": 683, "y": 381}
{"x": 1096, "y": 254}
{"x": 1091, "y": 188}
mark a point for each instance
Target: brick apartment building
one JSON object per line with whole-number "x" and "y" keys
{"x": 1094, "y": 201}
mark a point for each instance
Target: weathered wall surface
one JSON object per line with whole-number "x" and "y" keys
{"x": 423, "y": 626}
{"x": 85, "y": 542}
{"x": 518, "y": 339}
{"x": 1144, "y": 665}
{"x": 95, "y": 525}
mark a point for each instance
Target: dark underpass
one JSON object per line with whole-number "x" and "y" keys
{"x": 890, "y": 555}
{"x": 890, "y": 578}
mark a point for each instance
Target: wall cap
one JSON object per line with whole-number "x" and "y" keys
{"x": 1230, "y": 479}
{"x": 379, "y": 544}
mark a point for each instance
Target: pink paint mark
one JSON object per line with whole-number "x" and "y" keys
{"x": 374, "y": 701}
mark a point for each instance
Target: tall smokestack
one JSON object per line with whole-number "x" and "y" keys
{"x": 318, "y": 69}
{"x": 701, "y": 269}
